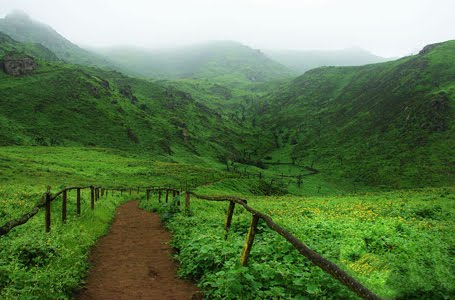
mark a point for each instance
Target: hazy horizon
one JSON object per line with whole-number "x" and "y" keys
{"x": 384, "y": 28}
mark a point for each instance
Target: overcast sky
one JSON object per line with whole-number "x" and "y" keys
{"x": 385, "y": 27}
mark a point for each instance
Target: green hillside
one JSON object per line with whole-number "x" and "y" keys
{"x": 7, "y": 44}
{"x": 388, "y": 124}
{"x": 68, "y": 105}
{"x": 22, "y": 28}
{"x": 223, "y": 61}
{"x": 304, "y": 60}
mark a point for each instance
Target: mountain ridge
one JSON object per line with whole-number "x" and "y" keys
{"x": 218, "y": 60}
{"x": 304, "y": 60}
{"x": 22, "y": 28}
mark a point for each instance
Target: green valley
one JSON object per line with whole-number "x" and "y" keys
{"x": 358, "y": 162}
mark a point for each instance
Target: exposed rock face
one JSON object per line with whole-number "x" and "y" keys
{"x": 128, "y": 93}
{"x": 105, "y": 84}
{"x": 428, "y": 48}
{"x": 18, "y": 64}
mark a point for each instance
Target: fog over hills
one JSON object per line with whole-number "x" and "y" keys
{"x": 304, "y": 60}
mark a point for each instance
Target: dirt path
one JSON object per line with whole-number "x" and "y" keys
{"x": 133, "y": 262}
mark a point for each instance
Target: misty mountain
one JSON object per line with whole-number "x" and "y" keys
{"x": 22, "y": 28}
{"x": 8, "y": 45}
{"x": 62, "y": 104}
{"x": 304, "y": 60}
{"x": 218, "y": 60}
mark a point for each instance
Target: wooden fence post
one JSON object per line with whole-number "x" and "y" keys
{"x": 187, "y": 200}
{"x": 130, "y": 191}
{"x": 92, "y": 197}
{"x": 228, "y": 222}
{"x": 78, "y": 202}
{"x": 102, "y": 192}
{"x": 64, "y": 200}
{"x": 159, "y": 195}
{"x": 178, "y": 198}
{"x": 167, "y": 195}
{"x": 47, "y": 216}
{"x": 147, "y": 193}
{"x": 249, "y": 241}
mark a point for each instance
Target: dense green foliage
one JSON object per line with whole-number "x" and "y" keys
{"x": 388, "y": 124}
{"x": 35, "y": 265}
{"x": 398, "y": 244}
{"x": 69, "y": 105}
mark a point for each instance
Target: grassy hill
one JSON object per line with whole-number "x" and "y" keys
{"x": 7, "y": 45}
{"x": 388, "y": 124}
{"x": 22, "y": 28}
{"x": 222, "y": 61}
{"x": 304, "y": 60}
{"x": 69, "y": 105}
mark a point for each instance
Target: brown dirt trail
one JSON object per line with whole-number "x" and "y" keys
{"x": 133, "y": 261}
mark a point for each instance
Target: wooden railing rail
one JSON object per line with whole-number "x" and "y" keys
{"x": 96, "y": 192}
{"x": 317, "y": 259}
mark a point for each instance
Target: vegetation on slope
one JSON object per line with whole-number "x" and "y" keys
{"x": 8, "y": 45}
{"x": 398, "y": 244}
{"x": 218, "y": 61}
{"x": 388, "y": 124}
{"x": 23, "y": 29}
{"x": 68, "y": 105}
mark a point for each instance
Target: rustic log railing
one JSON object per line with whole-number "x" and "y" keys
{"x": 96, "y": 192}
{"x": 317, "y": 259}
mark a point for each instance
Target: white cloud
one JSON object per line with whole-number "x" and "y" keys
{"x": 387, "y": 27}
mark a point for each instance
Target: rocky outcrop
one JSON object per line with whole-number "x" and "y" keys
{"x": 128, "y": 93}
{"x": 18, "y": 64}
{"x": 428, "y": 48}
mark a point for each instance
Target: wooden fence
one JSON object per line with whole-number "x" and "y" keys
{"x": 96, "y": 192}
{"x": 326, "y": 265}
